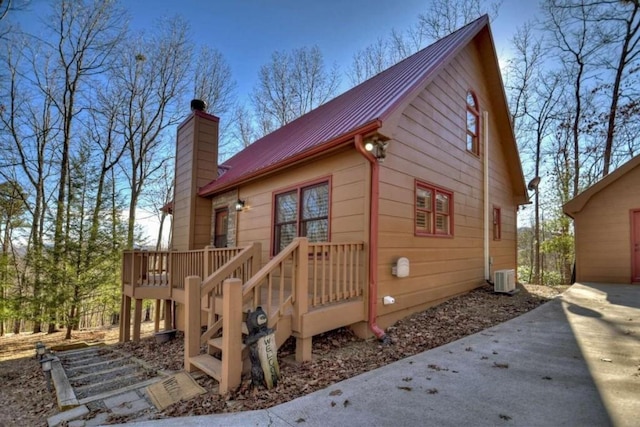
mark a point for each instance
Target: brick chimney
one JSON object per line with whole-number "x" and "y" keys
{"x": 196, "y": 166}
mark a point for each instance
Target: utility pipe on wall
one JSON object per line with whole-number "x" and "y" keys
{"x": 485, "y": 133}
{"x": 373, "y": 239}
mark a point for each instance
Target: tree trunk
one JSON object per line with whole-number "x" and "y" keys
{"x": 72, "y": 314}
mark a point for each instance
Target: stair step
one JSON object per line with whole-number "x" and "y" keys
{"x": 208, "y": 364}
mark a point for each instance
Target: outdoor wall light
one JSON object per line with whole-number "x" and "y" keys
{"x": 40, "y": 349}
{"x": 239, "y": 205}
{"x": 377, "y": 148}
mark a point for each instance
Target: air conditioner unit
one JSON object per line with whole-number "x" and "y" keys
{"x": 504, "y": 281}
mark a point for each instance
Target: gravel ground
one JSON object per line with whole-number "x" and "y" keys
{"x": 338, "y": 355}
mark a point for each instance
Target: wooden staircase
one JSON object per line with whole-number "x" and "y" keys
{"x": 284, "y": 287}
{"x": 211, "y": 363}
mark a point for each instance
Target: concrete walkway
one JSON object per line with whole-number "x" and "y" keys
{"x": 574, "y": 361}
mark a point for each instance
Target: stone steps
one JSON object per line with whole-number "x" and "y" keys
{"x": 100, "y": 382}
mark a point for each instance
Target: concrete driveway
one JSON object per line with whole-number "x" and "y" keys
{"x": 574, "y": 361}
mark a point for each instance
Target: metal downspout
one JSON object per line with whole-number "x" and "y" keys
{"x": 373, "y": 242}
{"x": 487, "y": 265}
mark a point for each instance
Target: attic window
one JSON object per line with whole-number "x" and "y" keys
{"x": 473, "y": 118}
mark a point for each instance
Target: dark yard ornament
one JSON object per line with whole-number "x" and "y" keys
{"x": 263, "y": 351}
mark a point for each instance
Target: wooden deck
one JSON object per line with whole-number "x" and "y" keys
{"x": 306, "y": 289}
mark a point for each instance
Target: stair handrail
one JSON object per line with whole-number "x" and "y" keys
{"x": 222, "y": 273}
{"x": 270, "y": 266}
{"x": 299, "y": 244}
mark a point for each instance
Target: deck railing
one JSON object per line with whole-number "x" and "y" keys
{"x": 336, "y": 272}
{"x": 169, "y": 268}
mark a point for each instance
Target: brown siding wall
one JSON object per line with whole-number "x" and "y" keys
{"x": 349, "y": 173}
{"x": 603, "y": 232}
{"x": 429, "y": 145}
{"x": 226, "y": 200}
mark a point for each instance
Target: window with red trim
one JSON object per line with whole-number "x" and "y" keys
{"x": 497, "y": 224}
{"x": 473, "y": 124}
{"x": 304, "y": 212}
{"x": 434, "y": 211}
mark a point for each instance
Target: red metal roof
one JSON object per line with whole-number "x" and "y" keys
{"x": 365, "y": 106}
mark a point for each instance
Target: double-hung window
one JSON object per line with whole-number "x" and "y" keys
{"x": 302, "y": 211}
{"x": 434, "y": 211}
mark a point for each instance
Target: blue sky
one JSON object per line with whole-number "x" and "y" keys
{"x": 248, "y": 31}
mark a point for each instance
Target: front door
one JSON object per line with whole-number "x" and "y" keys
{"x": 221, "y": 227}
{"x": 635, "y": 245}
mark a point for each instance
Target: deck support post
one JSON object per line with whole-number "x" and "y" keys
{"x": 168, "y": 315}
{"x": 125, "y": 319}
{"x": 231, "y": 335}
{"x": 156, "y": 316}
{"x": 301, "y": 305}
{"x": 121, "y": 319}
{"x": 137, "y": 320}
{"x": 191, "y": 320}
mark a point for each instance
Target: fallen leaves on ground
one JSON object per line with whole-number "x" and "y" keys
{"x": 337, "y": 355}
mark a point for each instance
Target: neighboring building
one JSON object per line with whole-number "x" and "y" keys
{"x": 418, "y": 162}
{"x": 607, "y": 227}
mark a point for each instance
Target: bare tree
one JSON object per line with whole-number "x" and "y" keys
{"x": 7, "y": 6}
{"x": 212, "y": 81}
{"x": 290, "y": 85}
{"x": 535, "y": 95}
{"x": 86, "y": 35}
{"x": 623, "y": 17}
{"x": 151, "y": 77}
{"x": 444, "y": 17}
{"x": 375, "y": 58}
{"x": 158, "y": 197}
{"x": 32, "y": 129}
{"x": 577, "y": 45}
{"x": 243, "y": 129}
